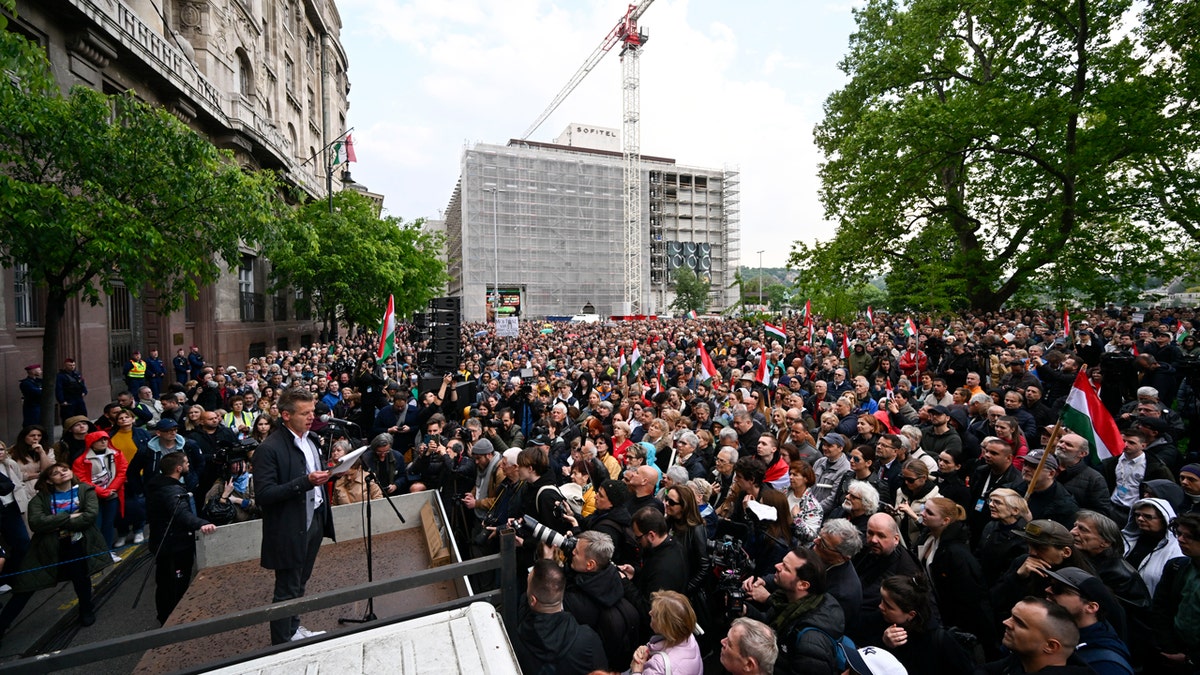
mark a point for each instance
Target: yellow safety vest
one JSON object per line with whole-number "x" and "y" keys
{"x": 137, "y": 368}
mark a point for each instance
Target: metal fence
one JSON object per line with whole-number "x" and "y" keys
{"x": 92, "y": 655}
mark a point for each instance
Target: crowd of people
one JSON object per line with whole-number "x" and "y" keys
{"x": 881, "y": 495}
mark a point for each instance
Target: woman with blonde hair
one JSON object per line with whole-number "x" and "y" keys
{"x": 953, "y": 571}
{"x": 673, "y": 648}
{"x": 999, "y": 544}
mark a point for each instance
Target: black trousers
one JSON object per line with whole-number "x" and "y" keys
{"x": 172, "y": 576}
{"x": 290, "y": 582}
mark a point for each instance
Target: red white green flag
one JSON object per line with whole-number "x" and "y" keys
{"x": 1066, "y": 322}
{"x": 807, "y": 317}
{"x": 1181, "y": 333}
{"x": 387, "y": 332}
{"x": 343, "y": 151}
{"x": 622, "y": 364}
{"x": 692, "y": 314}
{"x": 1086, "y": 415}
{"x": 635, "y": 361}
{"x": 775, "y": 333}
{"x": 845, "y": 353}
{"x": 763, "y": 375}
{"x": 870, "y": 316}
{"x": 708, "y": 370}
{"x": 910, "y": 328}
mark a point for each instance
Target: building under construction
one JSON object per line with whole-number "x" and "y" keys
{"x": 543, "y": 222}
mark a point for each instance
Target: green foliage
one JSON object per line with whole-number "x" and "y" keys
{"x": 98, "y": 187}
{"x": 981, "y": 148}
{"x": 691, "y": 292}
{"x": 350, "y": 260}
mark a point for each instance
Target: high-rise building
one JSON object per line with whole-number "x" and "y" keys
{"x": 544, "y": 223}
{"x": 266, "y": 79}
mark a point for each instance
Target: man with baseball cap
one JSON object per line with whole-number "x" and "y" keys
{"x": 1051, "y": 547}
{"x": 1049, "y": 500}
{"x": 1097, "y": 614}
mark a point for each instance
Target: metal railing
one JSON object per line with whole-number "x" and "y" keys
{"x": 93, "y": 654}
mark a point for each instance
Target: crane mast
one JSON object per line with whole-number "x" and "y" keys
{"x": 632, "y": 39}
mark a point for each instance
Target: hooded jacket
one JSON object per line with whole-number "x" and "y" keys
{"x": 1151, "y": 566}
{"x": 1103, "y": 651}
{"x": 597, "y": 600}
{"x": 811, "y": 653}
{"x": 556, "y": 644}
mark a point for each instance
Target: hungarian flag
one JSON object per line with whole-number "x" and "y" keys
{"x": 775, "y": 333}
{"x": 1086, "y": 415}
{"x": 343, "y": 151}
{"x": 910, "y": 328}
{"x": 708, "y": 370}
{"x": 635, "y": 361}
{"x": 829, "y": 337}
{"x": 763, "y": 375}
{"x": 387, "y": 332}
{"x": 870, "y": 316}
{"x": 845, "y": 353}
{"x": 1066, "y": 322}
{"x": 692, "y": 314}
{"x": 660, "y": 382}
{"x": 807, "y": 312}
{"x": 622, "y": 364}
{"x": 1181, "y": 333}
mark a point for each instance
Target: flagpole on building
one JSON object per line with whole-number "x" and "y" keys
{"x": 328, "y": 165}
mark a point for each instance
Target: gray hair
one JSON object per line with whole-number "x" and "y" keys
{"x": 343, "y": 445}
{"x": 913, "y": 433}
{"x": 870, "y": 495}
{"x": 980, "y": 399}
{"x": 588, "y": 450}
{"x": 678, "y": 475}
{"x": 599, "y": 549}
{"x": 727, "y": 433}
{"x": 382, "y": 440}
{"x": 690, "y": 438}
{"x": 605, "y": 405}
{"x": 851, "y": 537}
{"x": 757, "y": 642}
{"x": 1149, "y": 392}
{"x": 1106, "y": 528}
{"x": 730, "y": 453}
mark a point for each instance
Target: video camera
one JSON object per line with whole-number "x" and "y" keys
{"x": 730, "y": 564}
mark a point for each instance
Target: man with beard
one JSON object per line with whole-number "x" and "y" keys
{"x": 210, "y": 438}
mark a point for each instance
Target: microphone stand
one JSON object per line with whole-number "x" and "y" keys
{"x": 369, "y": 615}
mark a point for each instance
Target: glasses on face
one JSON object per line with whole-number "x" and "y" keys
{"x": 910, "y": 479}
{"x": 670, "y": 502}
{"x": 1141, "y": 515}
{"x": 855, "y": 460}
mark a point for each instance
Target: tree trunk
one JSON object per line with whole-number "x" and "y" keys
{"x": 56, "y": 307}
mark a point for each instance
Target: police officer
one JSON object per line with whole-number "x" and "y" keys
{"x": 31, "y": 395}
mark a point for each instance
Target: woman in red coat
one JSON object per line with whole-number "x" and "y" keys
{"x": 104, "y": 469}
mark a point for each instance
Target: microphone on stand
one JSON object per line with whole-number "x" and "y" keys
{"x": 330, "y": 419}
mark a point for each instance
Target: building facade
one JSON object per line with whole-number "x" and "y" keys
{"x": 266, "y": 79}
{"x": 543, "y": 222}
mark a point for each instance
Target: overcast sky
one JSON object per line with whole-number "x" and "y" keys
{"x": 723, "y": 85}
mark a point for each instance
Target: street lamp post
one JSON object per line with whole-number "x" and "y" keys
{"x": 760, "y": 276}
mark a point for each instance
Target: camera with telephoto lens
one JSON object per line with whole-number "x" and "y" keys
{"x": 530, "y": 527}
{"x": 229, "y": 452}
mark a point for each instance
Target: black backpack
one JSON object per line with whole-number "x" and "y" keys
{"x": 616, "y": 626}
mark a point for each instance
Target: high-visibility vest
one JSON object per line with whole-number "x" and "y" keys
{"x": 137, "y": 368}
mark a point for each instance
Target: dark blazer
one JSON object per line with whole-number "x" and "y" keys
{"x": 281, "y": 490}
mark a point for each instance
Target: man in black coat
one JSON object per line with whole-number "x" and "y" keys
{"x": 663, "y": 565}
{"x": 595, "y": 595}
{"x": 883, "y": 556}
{"x": 288, "y": 475}
{"x": 548, "y": 639}
{"x": 173, "y": 523}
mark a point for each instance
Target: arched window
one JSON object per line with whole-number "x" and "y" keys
{"x": 243, "y": 73}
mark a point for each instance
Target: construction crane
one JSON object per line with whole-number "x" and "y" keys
{"x": 632, "y": 39}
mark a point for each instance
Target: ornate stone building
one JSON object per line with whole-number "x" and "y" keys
{"x": 266, "y": 79}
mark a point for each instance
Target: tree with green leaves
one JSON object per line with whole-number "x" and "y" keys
{"x": 980, "y": 149}
{"x": 691, "y": 291}
{"x": 349, "y": 261}
{"x": 97, "y": 189}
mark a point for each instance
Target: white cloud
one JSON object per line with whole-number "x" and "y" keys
{"x": 429, "y": 76}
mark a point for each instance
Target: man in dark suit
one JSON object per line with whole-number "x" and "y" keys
{"x": 288, "y": 475}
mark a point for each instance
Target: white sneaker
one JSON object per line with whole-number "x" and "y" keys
{"x": 115, "y": 558}
{"x": 119, "y": 542}
{"x": 139, "y": 538}
{"x": 303, "y": 633}
{"x": 5, "y": 589}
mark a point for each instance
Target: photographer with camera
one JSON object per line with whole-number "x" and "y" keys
{"x": 503, "y": 432}
{"x": 595, "y": 596}
{"x": 231, "y": 499}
